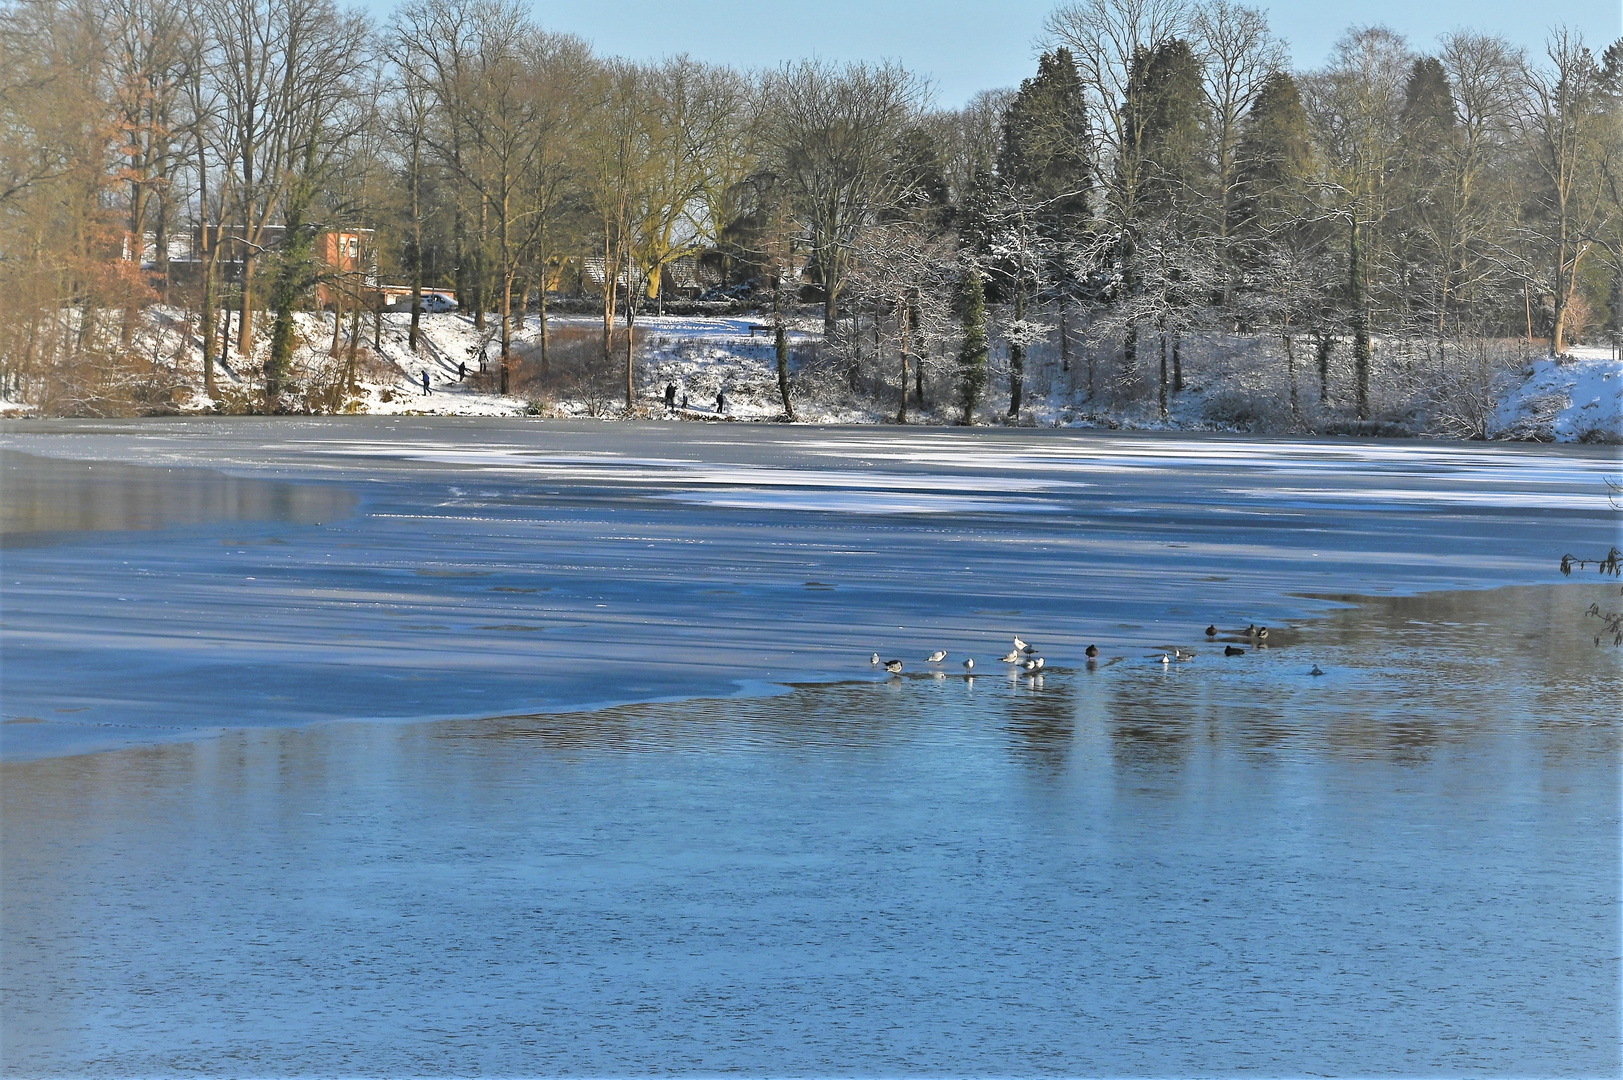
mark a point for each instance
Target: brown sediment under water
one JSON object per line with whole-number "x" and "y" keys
{"x": 1406, "y": 865}
{"x": 45, "y": 497}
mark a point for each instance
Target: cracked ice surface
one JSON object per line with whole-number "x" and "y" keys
{"x": 507, "y": 566}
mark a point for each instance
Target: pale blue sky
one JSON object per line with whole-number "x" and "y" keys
{"x": 966, "y": 45}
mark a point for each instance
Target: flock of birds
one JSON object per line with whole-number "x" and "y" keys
{"x": 1024, "y": 656}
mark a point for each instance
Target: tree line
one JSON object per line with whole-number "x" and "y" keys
{"x": 1164, "y": 174}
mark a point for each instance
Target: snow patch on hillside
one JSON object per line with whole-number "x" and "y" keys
{"x": 1575, "y": 398}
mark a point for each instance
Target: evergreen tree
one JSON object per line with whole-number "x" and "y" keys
{"x": 1043, "y": 172}
{"x": 1044, "y": 152}
{"x": 1274, "y": 155}
{"x": 1279, "y": 245}
{"x": 921, "y": 181}
{"x": 1424, "y": 226}
{"x": 1160, "y": 173}
{"x": 972, "y": 355}
{"x": 1164, "y": 160}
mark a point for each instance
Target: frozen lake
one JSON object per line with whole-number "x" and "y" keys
{"x": 596, "y": 834}
{"x": 466, "y": 568}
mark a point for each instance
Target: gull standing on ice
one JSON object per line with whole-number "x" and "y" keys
{"x": 936, "y": 657}
{"x": 875, "y": 660}
{"x": 1012, "y": 658}
{"x": 893, "y": 666}
{"x": 969, "y": 665}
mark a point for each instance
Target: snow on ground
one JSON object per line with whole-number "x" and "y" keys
{"x": 1575, "y": 398}
{"x": 1234, "y": 385}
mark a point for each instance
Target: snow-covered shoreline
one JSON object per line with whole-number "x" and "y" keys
{"x": 724, "y": 368}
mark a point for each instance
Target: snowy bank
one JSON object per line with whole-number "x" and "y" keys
{"x": 1575, "y": 398}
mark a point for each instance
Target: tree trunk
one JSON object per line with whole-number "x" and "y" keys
{"x": 902, "y": 326}
{"x": 481, "y": 282}
{"x": 780, "y": 346}
{"x": 245, "y": 313}
{"x": 1177, "y": 362}
{"x": 225, "y": 334}
{"x": 206, "y": 314}
{"x": 1290, "y": 374}
{"x": 1064, "y": 340}
{"x": 631, "y": 335}
{"x": 1360, "y": 321}
{"x": 541, "y": 315}
{"x": 1017, "y": 355}
{"x": 1325, "y": 341}
{"x": 337, "y": 318}
{"x": 610, "y": 273}
{"x": 354, "y": 347}
{"x": 414, "y": 337}
{"x": 508, "y": 273}
{"x": 1162, "y": 386}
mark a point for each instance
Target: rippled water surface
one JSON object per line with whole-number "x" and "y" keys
{"x": 1406, "y": 866}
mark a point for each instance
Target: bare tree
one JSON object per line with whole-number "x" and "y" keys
{"x": 1565, "y": 121}
{"x": 618, "y": 161}
{"x": 1484, "y": 73}
{"x": 285, "y": 71}
{"x": 482, "y": 61}
{"x": 834, "y": 135}
{"x": 1356, "y": 106}
{"x": 150, "y": 50}
{"x": 1104, "y": 37}
{"x": 907, "y": 269}
{"x": 1240, "y": 52}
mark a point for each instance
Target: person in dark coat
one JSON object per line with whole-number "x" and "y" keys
{"x": 426, "y": 390}
{"x": 721, "y": 401}
{"x": 670, "y": 396}
{"x": 461, "y": 370}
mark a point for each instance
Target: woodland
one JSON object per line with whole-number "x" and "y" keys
{"x": 1429, "y": 214}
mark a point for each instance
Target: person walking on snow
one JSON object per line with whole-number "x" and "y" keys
{"x": 426, "y": 390}
{"x": 461, "y": 370}
{"x": 670, "y": 396}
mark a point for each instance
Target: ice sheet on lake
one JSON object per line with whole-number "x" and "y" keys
{"x": 499, "y": 566}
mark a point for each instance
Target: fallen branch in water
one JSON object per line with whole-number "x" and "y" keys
{"x": 1611, "y": 623}
{"x": 1612, "y": 564}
